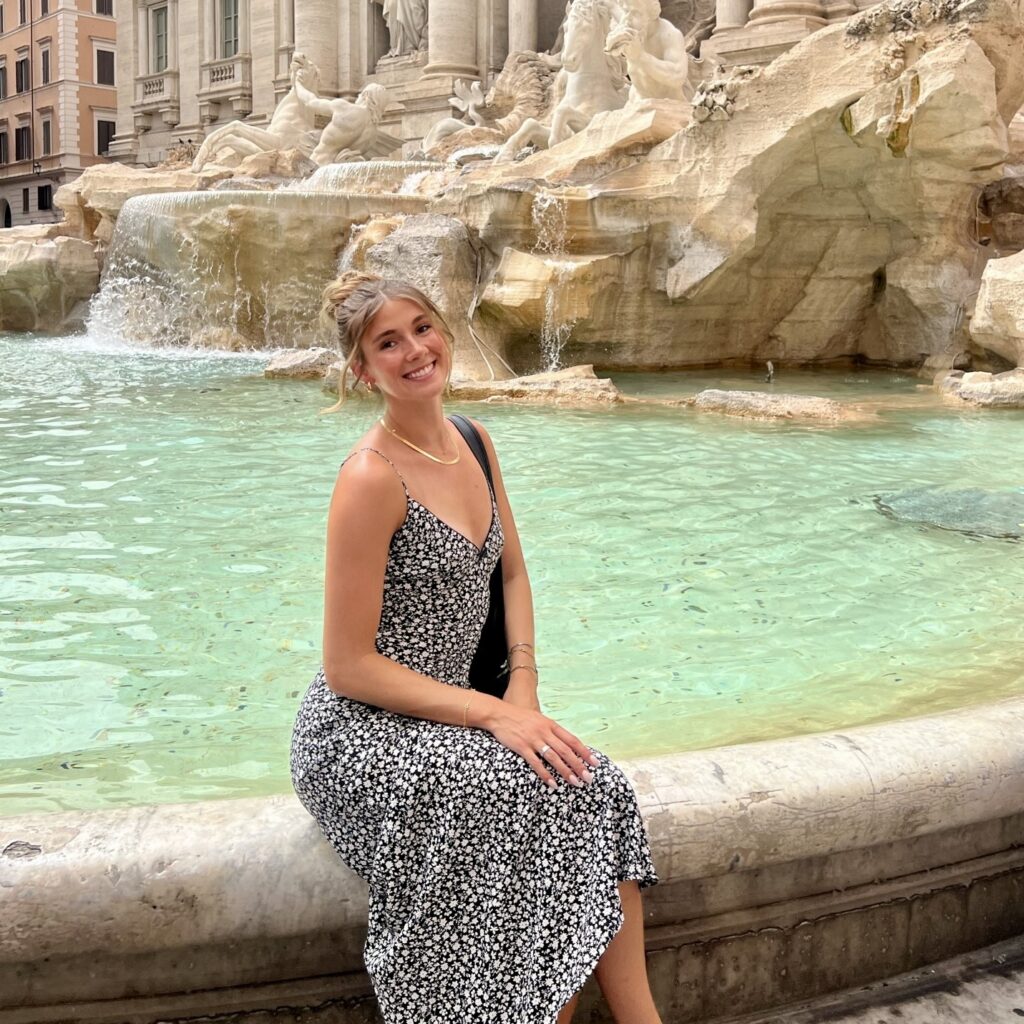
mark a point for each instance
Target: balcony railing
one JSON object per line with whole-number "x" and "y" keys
{"x": 226, "y": 82}
{"x": 156, "y": 94}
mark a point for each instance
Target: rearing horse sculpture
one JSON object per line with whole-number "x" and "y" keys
{"x": 590, "y": 81}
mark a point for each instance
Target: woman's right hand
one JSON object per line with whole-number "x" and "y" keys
{"x": 527, "y": 732}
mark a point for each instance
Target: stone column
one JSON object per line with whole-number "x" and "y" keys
{"x": 451, "y": 39}
{"x": 143, "y": 35}
{"x": 172, "y": 35}
{"x": 731, "y": 14}
{"x": 243, "y": 27}
{"x": 209, "y": 31}
{"x": 522, "y": 24}
{"x": 316, "y": 35}
{"x": 806, "y": 14}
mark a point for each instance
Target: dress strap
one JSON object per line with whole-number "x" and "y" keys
{"x": 386, "y": 459}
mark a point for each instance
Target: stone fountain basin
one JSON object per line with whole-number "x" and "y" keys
{"x": 789, "y": 868}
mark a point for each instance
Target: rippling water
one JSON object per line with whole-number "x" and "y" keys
{"x": 698, "y": 580}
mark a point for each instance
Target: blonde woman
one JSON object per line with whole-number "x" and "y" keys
{"x": 504, "y": 857}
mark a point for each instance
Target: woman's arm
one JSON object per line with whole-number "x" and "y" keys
{"x": 519, "y": 627}
{"x": 367, "y": 507}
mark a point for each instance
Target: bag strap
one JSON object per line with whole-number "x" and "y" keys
{"x": 476, "y": 445}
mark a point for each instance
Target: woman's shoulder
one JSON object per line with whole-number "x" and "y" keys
{"x": 369, "y": 476}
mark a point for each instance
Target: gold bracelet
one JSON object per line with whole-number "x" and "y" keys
{"x": 465, "y": 712}
{"x": 529, "y": 668}
{"x": 515, "y": 647}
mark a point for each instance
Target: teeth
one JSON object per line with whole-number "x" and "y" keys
{"x": 422, "y": 372}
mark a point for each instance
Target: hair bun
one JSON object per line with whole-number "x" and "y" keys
{"x": 342, "y": 287}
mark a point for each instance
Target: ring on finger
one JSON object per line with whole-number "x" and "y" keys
{"x": 543, "y": 750}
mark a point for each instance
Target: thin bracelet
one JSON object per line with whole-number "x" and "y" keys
{"x": 517, "y": 646}
{"x": 465, "y": 712}
{"x": 529, "y": 668}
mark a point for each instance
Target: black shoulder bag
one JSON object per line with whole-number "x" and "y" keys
{"x": 489, "y": 670}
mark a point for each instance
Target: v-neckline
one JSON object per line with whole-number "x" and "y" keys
{"x": 478, "y": 548}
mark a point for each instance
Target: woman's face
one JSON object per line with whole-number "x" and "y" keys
{"x": 402, "y": 353}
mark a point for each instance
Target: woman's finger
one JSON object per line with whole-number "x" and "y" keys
{"x": 534, "y": 761}
{"x": 579, "y": 747}
{"x": 555, "y": 759}
{"x": 570, "y": 758}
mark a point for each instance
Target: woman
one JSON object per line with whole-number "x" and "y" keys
{"x": 504, "y": 858}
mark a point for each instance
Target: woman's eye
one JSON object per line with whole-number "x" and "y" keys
{"x": 424, "y": 327}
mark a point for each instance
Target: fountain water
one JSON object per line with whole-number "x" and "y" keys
{"x": 549, "y": 216}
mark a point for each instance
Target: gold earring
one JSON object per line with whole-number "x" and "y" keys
{"x": 369, "y": 385}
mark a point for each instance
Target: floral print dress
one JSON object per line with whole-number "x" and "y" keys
{"x": 491, "y": 896}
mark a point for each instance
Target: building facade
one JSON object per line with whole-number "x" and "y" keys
{"x": 188, "y": 66}
{"x": 58, "y": 99}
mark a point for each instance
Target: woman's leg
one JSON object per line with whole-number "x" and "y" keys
{"x": 566, "y": 1012}
{"x": 622, "y": 970}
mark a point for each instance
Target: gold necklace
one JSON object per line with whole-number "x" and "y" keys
{"x": 416, "y": 448}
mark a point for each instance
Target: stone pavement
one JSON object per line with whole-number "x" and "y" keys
{"x": 985, "y": 987}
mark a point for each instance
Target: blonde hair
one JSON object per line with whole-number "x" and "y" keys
{"x": 353, "y": 300}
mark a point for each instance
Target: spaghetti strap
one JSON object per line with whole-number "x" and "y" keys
{"x": 387, "y": 460}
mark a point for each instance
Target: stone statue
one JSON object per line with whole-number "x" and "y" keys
{"x": 353, "y": 132}
{"x": 407, "y": 25}
{"x": 521, "y": 91}
{"x": 590, "y": 81}
{"x": 290, "y": 127}
{"x": 655, "y": 52}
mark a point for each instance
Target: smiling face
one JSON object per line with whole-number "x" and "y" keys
{"x": 403, "y": 353}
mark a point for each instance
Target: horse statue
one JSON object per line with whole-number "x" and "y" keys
{"x": 590, "y": 81}
{"x": 291, "y": 126}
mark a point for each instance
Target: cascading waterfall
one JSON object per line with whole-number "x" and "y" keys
{"x": 549, "y": 214}
{"x": 237, "y": 269}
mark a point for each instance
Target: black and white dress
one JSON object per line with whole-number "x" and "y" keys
{"x": 491, "y": 896}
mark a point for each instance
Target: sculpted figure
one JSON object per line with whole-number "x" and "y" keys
{"x": 289, "y": 127}
{"x": 655, "y": 52}
{"x": 590, "y": 81}
{"x": 353, "y": 132}
{"x": 407, "y": 25}
{"x": 522, "y": 90}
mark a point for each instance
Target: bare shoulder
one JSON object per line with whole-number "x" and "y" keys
{"x": 368, "y": 485}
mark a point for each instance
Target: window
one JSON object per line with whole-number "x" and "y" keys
{"x": 44, "y": 66}
{"x": 47, "y": 131}
{"x": 1, "y": 17}
{"x": 104, "y": 136}
{"x": 44, "y": 197}
{"x": 23, "y": 143}
{"x": 44, "y": 8}
{"x": 21, "y": 75}
{"x": 5, "y": 149}
{"x": 105, "y": 67}
{"x": 24, "y": 200}
{"x": 160, "y": 39}
{"x": 105, "y": 7}
{"x": 230, "y": 28}
{"x": 3, "y": 81}
{"x": 22, "y": 11}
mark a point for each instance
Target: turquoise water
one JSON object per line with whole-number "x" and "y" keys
{"x": 698, "y": 580}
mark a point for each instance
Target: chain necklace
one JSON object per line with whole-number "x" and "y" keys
{"x": 416, "y": 448}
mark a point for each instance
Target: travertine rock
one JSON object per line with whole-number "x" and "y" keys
{"x": 988, "y": 390}
{"x": 826, "y": 218}
{"x": 42, "y": 278}
{"x": 760, "y": 406}
{"x": 301, "y": 363}
{"x": 998, "y": 321}
{"x": 573, "y": 386}
{"x": 92, "y": 202}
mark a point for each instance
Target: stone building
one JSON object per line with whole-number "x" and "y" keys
{"x": 58, "y": 99}
{"x": 185, "y": 66}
